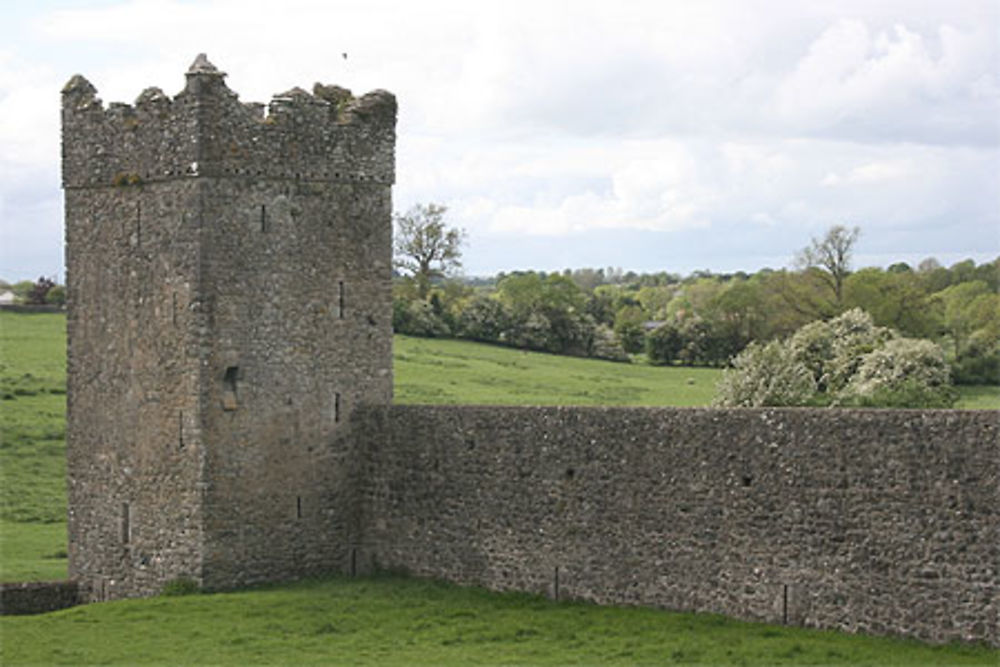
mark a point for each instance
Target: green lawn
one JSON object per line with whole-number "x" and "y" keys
{"x": 32, "y": 446}
{"x": 373, "y": 620}
{"x": 978, "y": 397}
{"x": 394, "y": 620}
{"x": 456, "y": 372}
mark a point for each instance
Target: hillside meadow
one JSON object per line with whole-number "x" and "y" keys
{"x": 381, "y": 620}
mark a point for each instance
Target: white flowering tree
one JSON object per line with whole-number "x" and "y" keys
{"x": 846, "y": 361}
{"x": 905, "y": 372}
{"x": 765, "y": 375}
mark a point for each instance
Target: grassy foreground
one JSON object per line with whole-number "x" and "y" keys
{"x": 391, "y": 620}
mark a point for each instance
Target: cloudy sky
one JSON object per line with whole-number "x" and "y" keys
{"x": 661, "y": 135}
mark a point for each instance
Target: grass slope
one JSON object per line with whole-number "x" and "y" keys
{"x": 461, "y": 372}
{"x": 392, "y": 620}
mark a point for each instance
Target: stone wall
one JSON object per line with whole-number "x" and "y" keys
{"x": 38, "y": 597}
{"x": 883, "y": 522}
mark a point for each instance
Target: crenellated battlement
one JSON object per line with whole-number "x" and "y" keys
{"x": 327, "y": 135}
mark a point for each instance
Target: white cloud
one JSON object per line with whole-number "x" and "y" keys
{"x": 896, "y": 84}
{"x": 716, "y": 122}
{"x": 877, "y": 172}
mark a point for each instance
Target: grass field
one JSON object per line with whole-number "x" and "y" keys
{"x": 382, "y": 621}
{"x": 455, "y": 372}
{"x": 392, "y": 620}
{"x": 32, "y": 446}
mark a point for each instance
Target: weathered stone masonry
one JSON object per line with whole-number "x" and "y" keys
{"x": 229, "y": 305}
{"x": 230, "y": 414}
{"x": 862, "y": 520}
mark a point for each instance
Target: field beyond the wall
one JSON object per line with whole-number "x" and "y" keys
{"x": 381, "y": 620}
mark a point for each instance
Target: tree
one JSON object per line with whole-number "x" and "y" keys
{"x": 425, "y": 246}
{"x": 846, "y": 361}
{"x": 905, "y": 373}
{"x": 765, "y": 375}
{"x": 56, "y": 296}
{"x": 894, "y": 299}
{"x": 628, "y": 328}
{"x": 36, "y": 296}
{"x": 832, "y": 256}
{"x": 664, "y": 344}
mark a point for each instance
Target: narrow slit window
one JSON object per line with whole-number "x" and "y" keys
{"x": 340, "y": 299}
{"x": 336, "y": 407}
{"x": 229, "y": 396}
{"x": 126, "y": 523}
{"x": 138, "y": 223}
{"x": 173, "y": 308}
{"x": 263, "y": 218}
{"x": 180, "y": 430}
{"x": 298, "y": 507}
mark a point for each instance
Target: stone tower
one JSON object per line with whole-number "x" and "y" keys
{"x": 229, "y": 271}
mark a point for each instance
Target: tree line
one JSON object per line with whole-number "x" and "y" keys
{"x": 702, "y": 319}
{"x": 42, "y": 292}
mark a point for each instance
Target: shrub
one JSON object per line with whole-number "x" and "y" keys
{"x": 979, "y": 362}
{"x": 417, "y": 318}
{"x": 853, "y": 335}
{"x": 56, "y": 296}
{"x": 813, "y": 346}
{"x": 533, "y": 332}
{"x": 905, "y": 372}
{"x": 181, "y": 586}
{"x": 847, "y": 361}
{"x": 765, "y": 375}
{"x": 483, "y": 319}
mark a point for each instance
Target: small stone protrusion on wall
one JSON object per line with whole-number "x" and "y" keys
{"x": 79, "y": 93}
{"x": 152, "y": 97}
{"x": 201, "y": 65}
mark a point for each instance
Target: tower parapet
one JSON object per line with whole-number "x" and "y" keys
{"x": 327, "y": 135}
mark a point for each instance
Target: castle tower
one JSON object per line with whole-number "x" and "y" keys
{"x": 228, "y": 271}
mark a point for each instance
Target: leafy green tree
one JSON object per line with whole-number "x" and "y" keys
{"x": 979, "y": 362}
{"x": 425, "y": 246}
{"x": 56, "y": 296}
{"x": 932, "y": 276}
{"x": 894, "y": 299}
{"x": 654, "y": 300}
{"x": 628, "y": 328}
{"x": 664, "y": 344}
{"x": 22, "y": 288}
{"x": 601, "y": 304}
{"x": 966, "y": 308}
{"x": 548, "y": 313}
